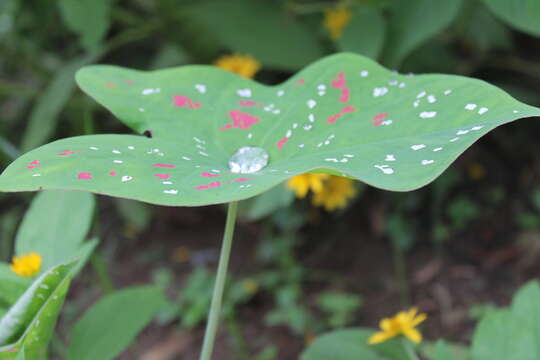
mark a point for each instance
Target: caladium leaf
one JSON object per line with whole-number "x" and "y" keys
{"x": 344, "y": 114}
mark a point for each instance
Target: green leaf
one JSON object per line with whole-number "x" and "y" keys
{"x": 111, "y": 324}
{"x": 511, "y": 334}
{"x": 351, "y": 344}
{"x": 365, "y": 33}
{"x": 412, "y": 22}
{"x": 523, "y": 15}
{"x": 45, "y": 113}
{"x": 31, "y": 321}
{"x": 259, "y": 28}
{"x": 392, "y": 131}
{"x": 55, "y": 226}
{"x": 90, "y": 19}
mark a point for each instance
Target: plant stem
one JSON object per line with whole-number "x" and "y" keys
{"x": 400, "y": 269}
{"x": 411, "y": 354}
{"x": 217, "y": 296}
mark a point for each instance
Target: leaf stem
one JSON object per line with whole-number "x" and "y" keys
{"x": 411, "y": 354}
{"x": 217, "y": 296}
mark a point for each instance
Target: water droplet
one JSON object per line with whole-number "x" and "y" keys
{"x": 248, "y": 160}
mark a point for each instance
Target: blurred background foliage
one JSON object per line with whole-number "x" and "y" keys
{"x": 300, "y": 269}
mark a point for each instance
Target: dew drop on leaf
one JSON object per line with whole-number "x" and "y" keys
{"x": 248, "y": 160}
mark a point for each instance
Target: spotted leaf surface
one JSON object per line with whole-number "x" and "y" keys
{"x": 344, "y": 113}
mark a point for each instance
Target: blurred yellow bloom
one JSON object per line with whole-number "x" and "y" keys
{"x": 243, "y": 65}
{"x": 403, "y": 323}
{"x": 181, "y": 254}
{"x": 335, "y": 193}
{"x": 476, "y": 171}
{"x": 26, "y": 265}
{"x": 301, "y": 184}
{"x": 250, "y": 286}
{"x": 335, "y": 21}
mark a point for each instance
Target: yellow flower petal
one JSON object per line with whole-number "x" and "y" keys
{"x": 379, "y": 337}
{"x": 403, "y": 323}
{"x": 413, "y": 335}
{"x": 243, "y": 65}
{"x": 335, "y": 193}
{"x": 419, "y": 319}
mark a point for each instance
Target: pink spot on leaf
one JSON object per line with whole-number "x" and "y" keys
{"x": 184, "y": 101}
{"x": 164, "y": 165}
{"x": 162, "y": 176}
{"x": 242, "y": 179}
{"x": 347, "y": 109}
{"x": 66, "y": 153}
{"x": 110, "y": 85}
{"x": 378, "y": 119}
{"x": 240, "y": 120}
{"x": 207, "y": 174}
{"x": 214, "y": 184}
{"x": 299, "y": 82}
{"x": 282, "y": 142}
{"x": 339, "y": 83}
{"x": 112, "y": 173}
{"x": 248, "y": 103}
{"x": 84, "y": 176}
{"x": 34, "y": 164}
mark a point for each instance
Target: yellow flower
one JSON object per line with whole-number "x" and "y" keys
{"x": 335, "y": 193}
{"x": 26, "y": 265}
{"x": 181, "y": 254}
{"x": 335, "y": 21}
{"x": 402, "y": 324}
{"x": 301, "y": 184}
{"x": 243, "y": 65}
{"x": 476, "y": 171}
{"x": 250, "y": 286}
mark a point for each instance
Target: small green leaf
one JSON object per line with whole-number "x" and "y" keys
{"x": 90, "y": 19}
{"x": 441, "y": 352}
{"x": 351, "y": 344}
{"x": 31, "y": 321}
{"x": 55, "y": 226}
{"x": 365, "y": 33}
{"x": 523, "y": 15}
{"x": 511, "y": 334}
{"x": 344, "y": 113}
{"x": 111, "y": 324}
{"x": 412, "y": 22}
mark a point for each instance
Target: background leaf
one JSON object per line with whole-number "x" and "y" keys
{"x": 90, "y": 19}
{"x": 365, "y": 33}
{"x": 112, "y": 323}
{"x": 277, "y": 39}
{"x": 523, "y": 15}
{"x": 55, "y": 226}
{"x": 45, "y": 113}
{"x": 412, "y": 22}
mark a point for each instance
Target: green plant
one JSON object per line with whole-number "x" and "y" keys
{"x": 510, "y": 333}
{"x": 412, "y": 129}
